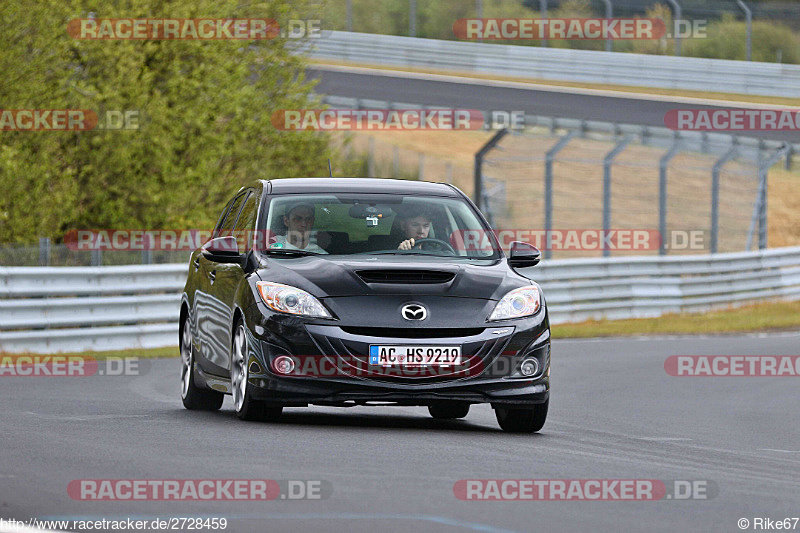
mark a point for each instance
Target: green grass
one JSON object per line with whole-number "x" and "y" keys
{"x": 761, "y": 317}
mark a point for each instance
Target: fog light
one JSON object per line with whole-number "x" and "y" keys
{"x": 529, "y": 367}
{"x": 283, "y": 364}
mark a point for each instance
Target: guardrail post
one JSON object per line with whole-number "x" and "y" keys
{"x": 479, "y": 13}
{"x": 676, "y": 8}
{"x": 543, "y": 13}
{"x": 609, "y": 15}
{"x": 421, "y": 167}
{"x": 663, "y": 165}
{"x": 395, "y": 162}
{"x": 748, "y": 16}
{"x": 756, "y": 209}
{"x": 44, "y": 251}
{"x": 762, "y": 219}
{"x": 147, "y": 251}
{"x": 97, "y": 258}
{"x": 730, "y": 154}
{"x": 548, "y": 185}
{"x": 478, "y": 173}
{"x": 349, "y": 15}
{"x": 412, "y": 18}
{"x": 607, "y": 161}
{"x": 760, "y": 208}
{"x": 371, "y": 158}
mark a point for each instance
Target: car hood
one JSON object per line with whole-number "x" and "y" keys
{"x": 338, "y": 276}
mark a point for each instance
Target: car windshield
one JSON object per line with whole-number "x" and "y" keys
{"x": 374, "y": 224}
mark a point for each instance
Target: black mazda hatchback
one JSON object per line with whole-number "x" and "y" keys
{"x": 357, "y": 291}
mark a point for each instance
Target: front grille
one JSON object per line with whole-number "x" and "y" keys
{"x": 413, "y": 333}
{"x": 405, "y": 276}
{"x": 477, "y": 355}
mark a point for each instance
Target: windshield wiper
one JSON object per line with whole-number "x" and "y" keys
{"x": 294, "y": 253}
{"x": 396, "y": 252}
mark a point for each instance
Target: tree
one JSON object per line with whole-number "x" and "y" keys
{"x": 204, "y": 107}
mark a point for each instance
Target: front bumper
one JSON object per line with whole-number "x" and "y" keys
{"x": 494, "y": 351}
{"x": 300, "y": 393}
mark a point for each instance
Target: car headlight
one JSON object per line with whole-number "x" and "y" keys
{"x": 525, "y": 301}
{"x": 288, "y": 299}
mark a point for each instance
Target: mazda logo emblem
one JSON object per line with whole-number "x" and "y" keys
{"x": 414, "y": 312}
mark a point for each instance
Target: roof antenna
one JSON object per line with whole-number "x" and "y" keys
{"x": 330, "y": 170}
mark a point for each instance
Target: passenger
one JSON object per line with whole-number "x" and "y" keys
{"x": 299, "y": 221}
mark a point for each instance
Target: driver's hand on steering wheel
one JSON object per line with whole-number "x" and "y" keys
{"x": 406, "y": 244}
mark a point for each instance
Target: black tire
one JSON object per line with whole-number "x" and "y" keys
{"x": 448, "y": 410}
{"x": 525, "y": 420}
{"x": 245, "y": 406}
{"x": 194, "y": 397}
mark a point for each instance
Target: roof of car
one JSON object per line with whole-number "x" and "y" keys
{"x": 359, "y": 185}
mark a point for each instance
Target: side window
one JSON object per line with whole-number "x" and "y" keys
{"x": 226, "y": 227}
{"x": 247, "y": 218}
{"x": 221, "y": 219}
{"x": 245, "y": 224}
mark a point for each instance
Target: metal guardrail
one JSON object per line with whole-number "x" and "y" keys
{"x": 640, "y": 70}
{"x": 49, "y": 310}
{"x": 76, "y": 309}
{"x": 639, "y": 287}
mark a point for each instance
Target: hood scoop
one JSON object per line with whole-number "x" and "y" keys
{"x": 409, "y": 276}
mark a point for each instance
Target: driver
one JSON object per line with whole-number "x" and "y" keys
{"x": 414, "y": 226}
{"x": 299, "y": 219}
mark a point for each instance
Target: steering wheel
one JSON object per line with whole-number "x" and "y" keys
{"x": 443, "y": 244}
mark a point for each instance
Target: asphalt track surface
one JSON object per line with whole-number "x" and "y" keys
{"x": 615, "y": 414}
{"x": 472, "y": 94}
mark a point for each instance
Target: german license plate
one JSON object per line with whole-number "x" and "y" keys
{"x": 414, "y": 355}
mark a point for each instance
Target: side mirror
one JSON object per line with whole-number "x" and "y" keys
{"x": 523, "y": 255}
{"x": 222, "y": 250}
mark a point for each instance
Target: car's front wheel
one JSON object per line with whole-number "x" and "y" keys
{"x": 246, "y": 407}
{"x": 194, "y": 397}
{"x": 525, "y": 420}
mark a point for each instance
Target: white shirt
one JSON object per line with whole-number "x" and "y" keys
{"x": 282, "y": 243}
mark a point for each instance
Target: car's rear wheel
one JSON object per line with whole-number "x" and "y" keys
{"x": 194, "y": 397}
{"x": 448, "y": 410}
{"x": 246, "y": 407}
{"x": 526, "y": 420}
